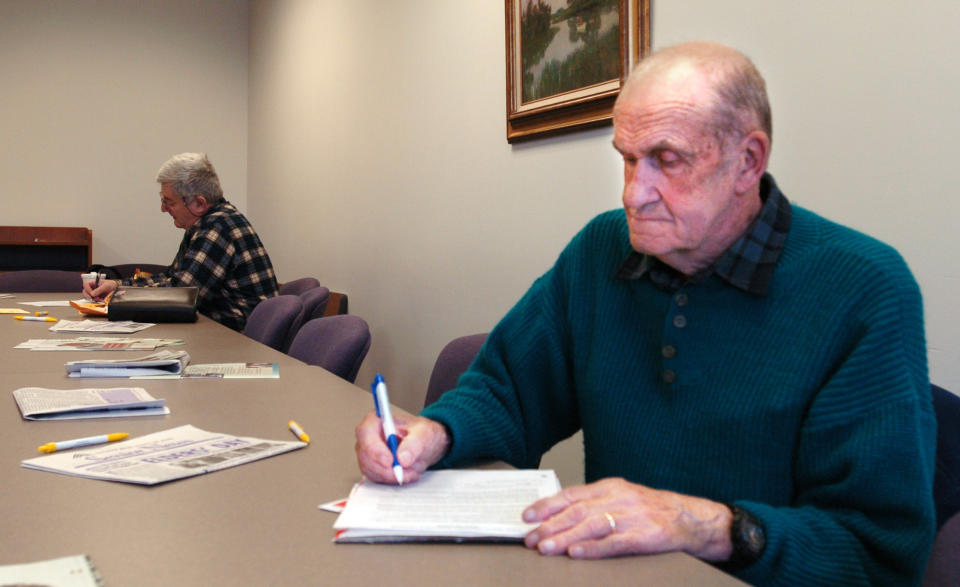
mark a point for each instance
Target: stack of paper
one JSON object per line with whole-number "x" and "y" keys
{"x": 445, "y": 506}
{"x": 37, "y": 403}
{"x": 159, "y": 363}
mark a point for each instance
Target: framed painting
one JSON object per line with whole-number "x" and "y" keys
{"x": 567, "y": 59}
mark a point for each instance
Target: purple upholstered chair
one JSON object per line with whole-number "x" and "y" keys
{"x": 298, "y": 286}
{"x": 336, "y": 343}
{"x": 40, "y": 280}
{"x": 943, "y": 570}
{"x": 270, "y": 321}
{"x": 314, "y": 302}
{"x": 452, "y": 361}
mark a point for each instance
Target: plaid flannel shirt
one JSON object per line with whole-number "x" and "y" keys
{"x": 222, "y": 255}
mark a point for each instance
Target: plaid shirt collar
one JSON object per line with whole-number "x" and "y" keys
{"x": 749, "y": 262}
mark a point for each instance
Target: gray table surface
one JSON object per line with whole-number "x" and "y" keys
{"x": 257, "y": 524}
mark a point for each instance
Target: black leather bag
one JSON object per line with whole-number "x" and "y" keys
{"x": 154, "y": 304}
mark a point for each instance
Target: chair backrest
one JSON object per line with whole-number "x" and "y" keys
{"x": 339, "y": 304}
{"x": 943, "y": 570}
{"x": 40, "y": 280}
{"x": 126, "y": 270}
{"x": 336, "y": 343}
{"x": 298, "y": 286}
{"x": 270, "y": 321}
{"x": 946, "y": 480}
{"x": 314, "y": 301}
{"x": 452, "y": 361}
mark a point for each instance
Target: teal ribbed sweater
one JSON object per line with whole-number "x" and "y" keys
{"x": 809, "y": 407}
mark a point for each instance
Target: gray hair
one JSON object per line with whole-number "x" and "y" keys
{"x": 192, "y": 175}
{"x": 741, "y": 104}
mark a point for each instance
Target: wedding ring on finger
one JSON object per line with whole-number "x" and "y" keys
{"x": 611, "y": 521}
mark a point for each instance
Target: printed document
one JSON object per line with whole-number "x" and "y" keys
{"x": 68, "y": 571}
{"x": 160, "y": 457}
{"x": 38, "y": 403}
{"x": 162, "y": 362}
{"x": 122, "y": 327}
{"x": 449, "y": 505}
{"x": 97, "y": 343}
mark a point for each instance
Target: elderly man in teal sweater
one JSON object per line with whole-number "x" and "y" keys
{"x": 750, "y": 378}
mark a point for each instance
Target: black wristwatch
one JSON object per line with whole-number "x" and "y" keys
{"x": 748, "y": 538}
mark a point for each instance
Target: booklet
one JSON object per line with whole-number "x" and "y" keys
{"x": 160, "y": 457}
{"x": 38, "y": 403}
{"x": 98, "y": 343}
{"x": 126, "y": 327}
{"x": 445, "y": 506}
{"x": 159, "y": 363}
{"x": 69, "y": 571}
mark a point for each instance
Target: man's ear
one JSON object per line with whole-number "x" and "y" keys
{"x": 198, "y": 206}
{"x": 753, "y": 157}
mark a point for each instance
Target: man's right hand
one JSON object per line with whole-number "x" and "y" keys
{"x": 99, "y": 293}
{"x": 423, "y": 442}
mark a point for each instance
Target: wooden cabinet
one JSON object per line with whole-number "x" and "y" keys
{"x": 69, "y": 248}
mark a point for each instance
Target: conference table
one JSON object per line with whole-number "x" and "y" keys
{"x": 256, "y": 524}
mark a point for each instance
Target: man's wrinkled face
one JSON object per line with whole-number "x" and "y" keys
{"x": 678, "y": 189}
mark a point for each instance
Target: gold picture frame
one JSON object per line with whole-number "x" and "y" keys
{"x": 566, "y": 61}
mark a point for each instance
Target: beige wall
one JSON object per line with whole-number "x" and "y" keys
{"x": 378, "y": 161}
{"x": 94, "y": 96}
{"x": 376, "y": 157}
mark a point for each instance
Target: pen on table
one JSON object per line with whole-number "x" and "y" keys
{"x": 40, "y": 313}
{"x": 298, "y": 431}
{"x": 90, "y": 440}
{"x": 381, "y": 402}
{"x": 36, "y": 318}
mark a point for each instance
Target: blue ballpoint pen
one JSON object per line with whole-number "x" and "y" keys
{"x": 382, "y": 404}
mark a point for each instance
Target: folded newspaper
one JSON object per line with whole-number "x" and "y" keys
{"x": 446, "y": 506}
{"x": 125, "y": 327}
{"x": 97, "y": 343}
{"x": 160, "y": 457}
{"x": 159, "y": 363}
{"x": 38, "y": 403}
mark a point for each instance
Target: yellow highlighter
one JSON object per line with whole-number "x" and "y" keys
{"x": 35, "y": 318}
{"x": 298, "y": 431}
{"x": 90, "y": 440}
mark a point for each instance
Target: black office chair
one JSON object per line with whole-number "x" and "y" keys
{"x": 944, "y": 566}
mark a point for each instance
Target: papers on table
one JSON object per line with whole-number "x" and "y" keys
{"x": 159, "y": 363}
{"x": 51, "y": 303}
{"x": 449, "y": 505}
{"x": 122, "y": 327}
{"x": 97, "y": 343}
{"x": 160, "y": 457}
{"x": 226, "y": 371}
{"x": 68, "y": 571}
{"x": 37, "y": 403}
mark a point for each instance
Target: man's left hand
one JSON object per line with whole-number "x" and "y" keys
{"x": 613, "y": 517}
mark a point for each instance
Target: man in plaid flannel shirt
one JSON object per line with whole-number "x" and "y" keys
{"x": 220, "y": 253}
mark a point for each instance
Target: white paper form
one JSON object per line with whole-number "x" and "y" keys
{"x": 450, "y": 504}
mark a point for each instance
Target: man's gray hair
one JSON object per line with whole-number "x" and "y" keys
{"x": 741, "y": 104}
{"x": 192, "y": 175}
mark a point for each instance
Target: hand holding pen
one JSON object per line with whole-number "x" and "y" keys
{"x": 420, "y": 443}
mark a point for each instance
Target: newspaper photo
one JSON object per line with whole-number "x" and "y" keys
{"x": 160, "y": 457}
